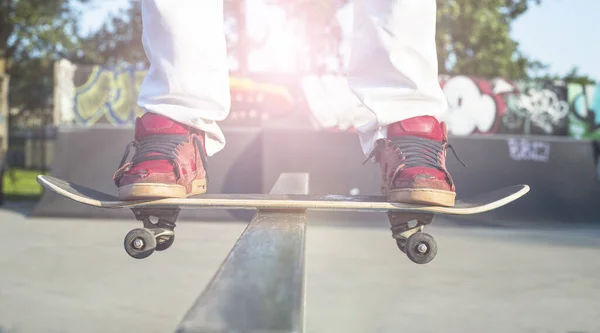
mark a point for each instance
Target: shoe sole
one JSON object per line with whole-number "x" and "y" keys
{"x": 157, "y": 191}
{"x": 423, "y": 196}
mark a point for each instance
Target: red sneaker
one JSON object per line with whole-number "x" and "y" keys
{"x": 169, "y": 162}
{"x": 413, "y": 162}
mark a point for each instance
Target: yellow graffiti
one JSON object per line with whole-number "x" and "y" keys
{"x": 247, "y": 85}
{"x": 107, "y": 93}
{"x": 91, "y": 97}
{"x": 112, "y": 95}
{"x": 139, "y": 78}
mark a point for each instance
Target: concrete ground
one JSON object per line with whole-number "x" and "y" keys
{"x": 69, "y": 275}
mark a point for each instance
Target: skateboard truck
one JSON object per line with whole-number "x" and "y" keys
{"x": 418, "y": 246}
{"x": 142, "y": 242}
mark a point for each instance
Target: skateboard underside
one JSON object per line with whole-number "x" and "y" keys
{"x": 159, "y": 215}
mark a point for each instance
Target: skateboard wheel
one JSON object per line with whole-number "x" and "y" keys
{"x": 401, "y": 244}
{"x": 421, "y": 248}
{"x": 161, "y": 246}
{"x": 139, "y": 243}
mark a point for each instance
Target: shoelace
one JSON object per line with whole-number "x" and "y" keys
{"x": 162, "y": 147}
{"x": 418, "y": 152}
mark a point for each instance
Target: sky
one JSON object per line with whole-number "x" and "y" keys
{"x": 560, "y": 33}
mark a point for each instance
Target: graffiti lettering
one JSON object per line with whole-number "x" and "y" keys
{"x": 471, "y": 107}
{"x": 107, "y": 93}
{"x": 584, "y": 118}
{"x": 538, "y": 106}
{"x": 526, "y": 150}
{"x": 90, "y": 94}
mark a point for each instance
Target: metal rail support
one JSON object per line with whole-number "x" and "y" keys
{"x": 260, "y": 285}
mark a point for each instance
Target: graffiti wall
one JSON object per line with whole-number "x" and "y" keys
{"x": 483, "y": 106}
{"x": 88, "y": 95}
{"x": 584, "y": 118}
{"x": 106, "y": 95}
{"x": 91, "y": 95}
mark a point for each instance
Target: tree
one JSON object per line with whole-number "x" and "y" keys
{"x": 119, "y": 39}
{"x": 321, "y": 29}
{"x": 573, "y": 76}
{"x": 33, "y": 34}
{"x": 473, "y": 38}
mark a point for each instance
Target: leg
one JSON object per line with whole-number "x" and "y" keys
{"x": 188, "y": 77}
{"x": 185, "y": 93}
{"x": 393, "y": 65}
{"x": 393, "y": 71}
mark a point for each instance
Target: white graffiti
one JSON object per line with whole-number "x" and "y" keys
{"x": 541, "y": 107}
{"x": 526, "y": 150}
{"x": 468, "y": 108}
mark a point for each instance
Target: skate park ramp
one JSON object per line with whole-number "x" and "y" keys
{"x": 560, "y": 171}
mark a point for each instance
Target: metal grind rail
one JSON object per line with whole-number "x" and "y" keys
{"x": 259, "y": 287}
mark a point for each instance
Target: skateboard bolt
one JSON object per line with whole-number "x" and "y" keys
{"x": 138, "y": 243}
{"x": 422, "y": 248}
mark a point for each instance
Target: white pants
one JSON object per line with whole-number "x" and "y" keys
{"x": 393, "y": 67}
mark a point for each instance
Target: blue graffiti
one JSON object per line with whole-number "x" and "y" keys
{"x": 588, "y": 106}
{"x": 110, "y": 93}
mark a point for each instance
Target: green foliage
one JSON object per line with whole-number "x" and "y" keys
{"x": 34, "y": 33}
{"x": 473, "y": 38}
{"x": 37, "y": 28}
{"x": 30, "y": 91}
{"x": 21, "y": 184}
{"x": 118, "y": 41}
{"x": 573, "y": 76}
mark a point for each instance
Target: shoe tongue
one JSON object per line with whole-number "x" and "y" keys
{"x": 151, "y": 123}
{"x": 423, "y": 126}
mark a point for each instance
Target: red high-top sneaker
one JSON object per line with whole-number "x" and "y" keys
{"x": 169, "y": 162}
{"x": 413, "y": 162}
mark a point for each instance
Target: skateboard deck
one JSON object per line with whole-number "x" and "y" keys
{"x": 407, "y": 220}
{"x": 474, "y": 205}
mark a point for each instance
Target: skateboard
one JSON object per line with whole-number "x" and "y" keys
{"x": 407, "y": 220}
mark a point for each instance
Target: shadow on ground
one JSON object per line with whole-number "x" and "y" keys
{"x": 20, "y": 207}
{"x": 7, "y": 330}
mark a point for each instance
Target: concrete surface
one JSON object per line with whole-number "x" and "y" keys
{"x": 71, "y": 275}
